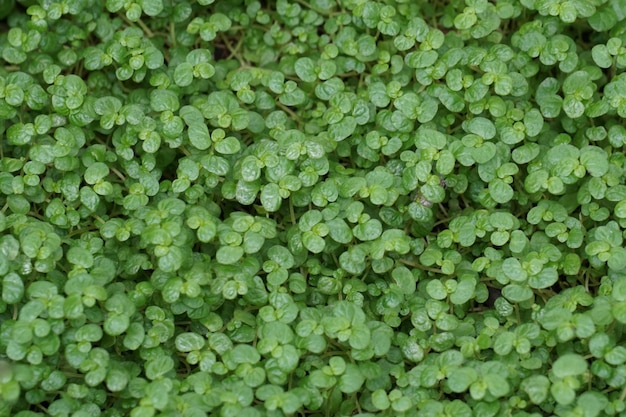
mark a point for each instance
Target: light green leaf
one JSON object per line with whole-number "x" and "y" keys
{"x": 158, "y": 366}
{"x": 80, "y": 257}
{"x": 369, "y": 230}
{"x": 380, "y": 399}
{"x": 250, "y": 169}
{"x": 517, "y": 293}
{"x": 352, "y": 379}
{"x": 480, "y": 126}
{"x": 595, "y": 160}
{"x": 228, "y": 255}
{"x": 500, "y": 191}
{"x": 460, "y": 379}
{"x": 96, "y": 172}
{"x": 497, "y": 385}
{"x": 313, "y": 242}
{"x": 305, "y": 69}
{"x": 12, "y": 288}
{"x": 183, "y": 74}
{"x": 116, "y": 324}
{"x": 562, "y": 393}
{"x": 464, "y": 292}
{"x": 536, "y": 180}
{"x": 569, "y": 364}
{"x": 436, "y": 289}
{"x": 270, "y": 197}
{"x": 537, "y": 388}
{"x": 339, "y": 231}
{"x": 164, "y": 100}
{"x": 360, "y": 336}
{"x": 198, "y": 131}
{"x": 228, "y": 146}
{"x": 151, "y": 7}
{"x": 187, "y": 342}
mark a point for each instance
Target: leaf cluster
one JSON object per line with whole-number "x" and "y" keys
{"x": 312, "y": 207}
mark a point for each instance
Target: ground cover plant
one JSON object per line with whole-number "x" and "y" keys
{"x": 312, "y": 208}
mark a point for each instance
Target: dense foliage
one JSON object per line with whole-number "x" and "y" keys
{"x": 313, "y": 208}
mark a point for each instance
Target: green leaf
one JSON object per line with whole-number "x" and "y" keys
{"x": 96, "y": 172}
{"x": 309, "y": 220}
{"x": 134, "y": 337}
{"x": 537, "y": 388}
{"x": 197, "y": 129}
{"x": 107, "y": 106}
{"x": 504, "y": 343}
{"x": 339, "y": 231}
{"x": 619, "y": 311}
{"x": 270, "y": 197}
{"x": 512, "y": 269}
{"x": 158, "y": 366}
{"x": 594, "y": 160}
{"x": 228, "y": 146}
{"x": 164, "y": 100}
{"x": 172, "y": 260}
{"x": 517, "y": 293}
{"x": 313, "y": 242}
{"x": 183, "y": 74}
{"x": 187, "y": 342}
{"x": 536, "y": 181}
{"x": 151, "y": 7}
{"x": 305, "y": 69}
{"x": 352, "y": 185}
{"x": 12, "y": 288}
{"x": 20, "y": 134}
{"x": 620, "y": 209}
{"x": 617, "y": 262}
{"x": 428, "y": 138}
{"x": 369, "y": 230}
{"x": 549, "y": 101}
{"x": 228, "y": 255}
{"x": 497, "y": 385}
{"x": 500, "y": 191}
{"x": 526, "y": 153}
{"x": 312, "y": 208}
{"x": 360, "y": 337}
{"x": 116, "y": 324}
{"x": 343, "y": 129}
{"x": 464, "y": 292}
{"x": 562, "y": 393}
{"x": 572, "y": 107}
{"x": 601, "y": 56}
{"x": 546, "y": 278}
{"x": 80, "y": 257}
{"x": 569, "y": 364}
{"x": 619, "y": 289}
{"x": 421, "y": 59}
{"x": 244, "y": 354}
{"x": 116, "y": 380}
{"x": 465, "y": 20}
{"x": 480, "y": 126}
{"x": 352, "y": 379}
{"x": 380, "y": 400}
{"x": 593, "y": 403}
{"x": 436, "y": 290}
{"x": 460, "y": 379}
{"x": 252, "y": 242}
{"x": 73, "y": 306}
{"x": 250, "y": 169}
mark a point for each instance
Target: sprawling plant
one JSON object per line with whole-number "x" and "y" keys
{"x": 312, "y": 208}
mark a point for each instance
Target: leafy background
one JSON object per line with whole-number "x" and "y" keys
{"x": 313, "y": 208}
